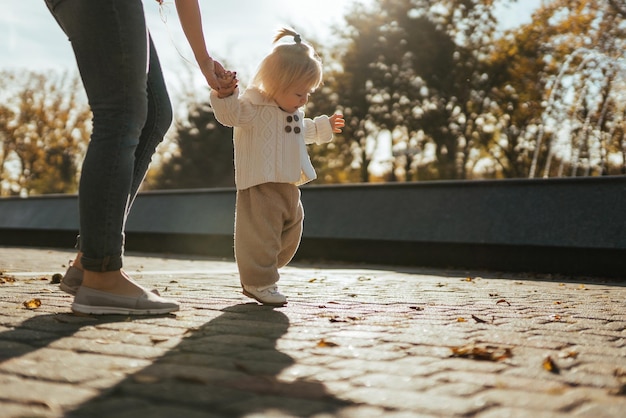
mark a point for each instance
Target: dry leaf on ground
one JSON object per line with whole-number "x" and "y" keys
{"x": 32, "y": 304}
{"x": 479, "y": 320}
{"x": 482, "y": 352}
{"x": 549, "y": 365}
{"x": 323, "y": 343}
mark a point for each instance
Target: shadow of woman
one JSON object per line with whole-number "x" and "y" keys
{"x": 39, "y": 331}
{"x": 228, "y": 367}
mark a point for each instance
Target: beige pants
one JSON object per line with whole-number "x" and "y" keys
{"x": 268, "y": 229}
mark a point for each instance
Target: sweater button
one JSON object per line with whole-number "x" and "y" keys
{"x": 296, "y": 129}
{"x": 288, "y": 129}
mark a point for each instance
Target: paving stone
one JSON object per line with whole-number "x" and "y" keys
{"x": 354, "y": 341}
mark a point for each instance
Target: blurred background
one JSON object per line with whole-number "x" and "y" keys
{"x": 430, "y": 90}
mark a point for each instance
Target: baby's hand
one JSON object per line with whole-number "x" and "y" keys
{"x": 337, "y": 122}
{"x": 228, "y": 83}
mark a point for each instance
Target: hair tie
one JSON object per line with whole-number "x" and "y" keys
{"x": 297, "y": 38}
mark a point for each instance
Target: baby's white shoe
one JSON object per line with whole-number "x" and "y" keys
{"x": 267, "y": 295}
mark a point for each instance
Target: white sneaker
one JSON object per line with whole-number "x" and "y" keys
{"x": 267, "y": 295}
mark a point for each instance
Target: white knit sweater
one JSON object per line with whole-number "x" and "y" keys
{"x": 264, "y": 151}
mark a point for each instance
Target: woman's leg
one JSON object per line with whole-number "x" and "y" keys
{"x": 158, "y": 121}
{"x": 110, "y": 43}
{"x": 111, "y": 46}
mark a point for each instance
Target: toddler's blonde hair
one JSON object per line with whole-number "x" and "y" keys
{"x": 287, "y": 66}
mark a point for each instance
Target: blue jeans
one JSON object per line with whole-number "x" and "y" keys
{"x": 131, "y": 110}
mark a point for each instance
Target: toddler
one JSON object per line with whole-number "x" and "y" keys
{"x": 271, "y": 160}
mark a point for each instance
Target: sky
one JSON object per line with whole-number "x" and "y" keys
{"x": 238, "y": 32}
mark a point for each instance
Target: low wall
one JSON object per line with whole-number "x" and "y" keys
{"x": 562, "y": 226}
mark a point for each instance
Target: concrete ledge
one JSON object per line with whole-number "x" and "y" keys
{"x": 568, "y": 226}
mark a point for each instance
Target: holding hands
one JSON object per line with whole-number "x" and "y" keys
{"x": 227, "y": 84}
{"x": 217, "y": 77}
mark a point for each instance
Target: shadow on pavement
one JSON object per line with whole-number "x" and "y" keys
{"x": 42, "y": 330}
{"x": 226, "y": 367}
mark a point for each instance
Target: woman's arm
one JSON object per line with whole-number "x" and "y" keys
{"x": 191, "y": 22}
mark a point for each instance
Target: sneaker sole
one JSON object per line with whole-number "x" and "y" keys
{"x": 110, "y": 310}
{"x": 250, "y": 295}
{"x": 68, "y": 289}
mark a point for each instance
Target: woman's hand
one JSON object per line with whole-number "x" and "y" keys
{"x": 211, "y": 70}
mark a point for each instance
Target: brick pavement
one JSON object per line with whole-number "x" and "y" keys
{"x": 354, "y": 341}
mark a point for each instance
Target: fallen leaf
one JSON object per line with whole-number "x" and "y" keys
{"x": 549, "y": 365}
{"x": 312, "y": 280}
{"x": 479, "y": 320}
{"x": 620, "y": 374}
{"x": 32, "y": 304}
{"x": 569, "y": 354}
{"x": 337, "y": 319}
{"x": 482, "y": 352}
{"x": 468, "y": 279}
{"x": 56, "y": 278}
{"x": 325, "y": 344}
{"x": 503, "y": 301}
{"x": 7, "y": 279}
{"x": 460, "y": 319}
{"x": 416, "y": 308}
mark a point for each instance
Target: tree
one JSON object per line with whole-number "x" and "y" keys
{"x": 563, "y": 81}
{"x": 416, "y": 70}
{"x": 44, "y": 126}
{"x": 202, "y": 155}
